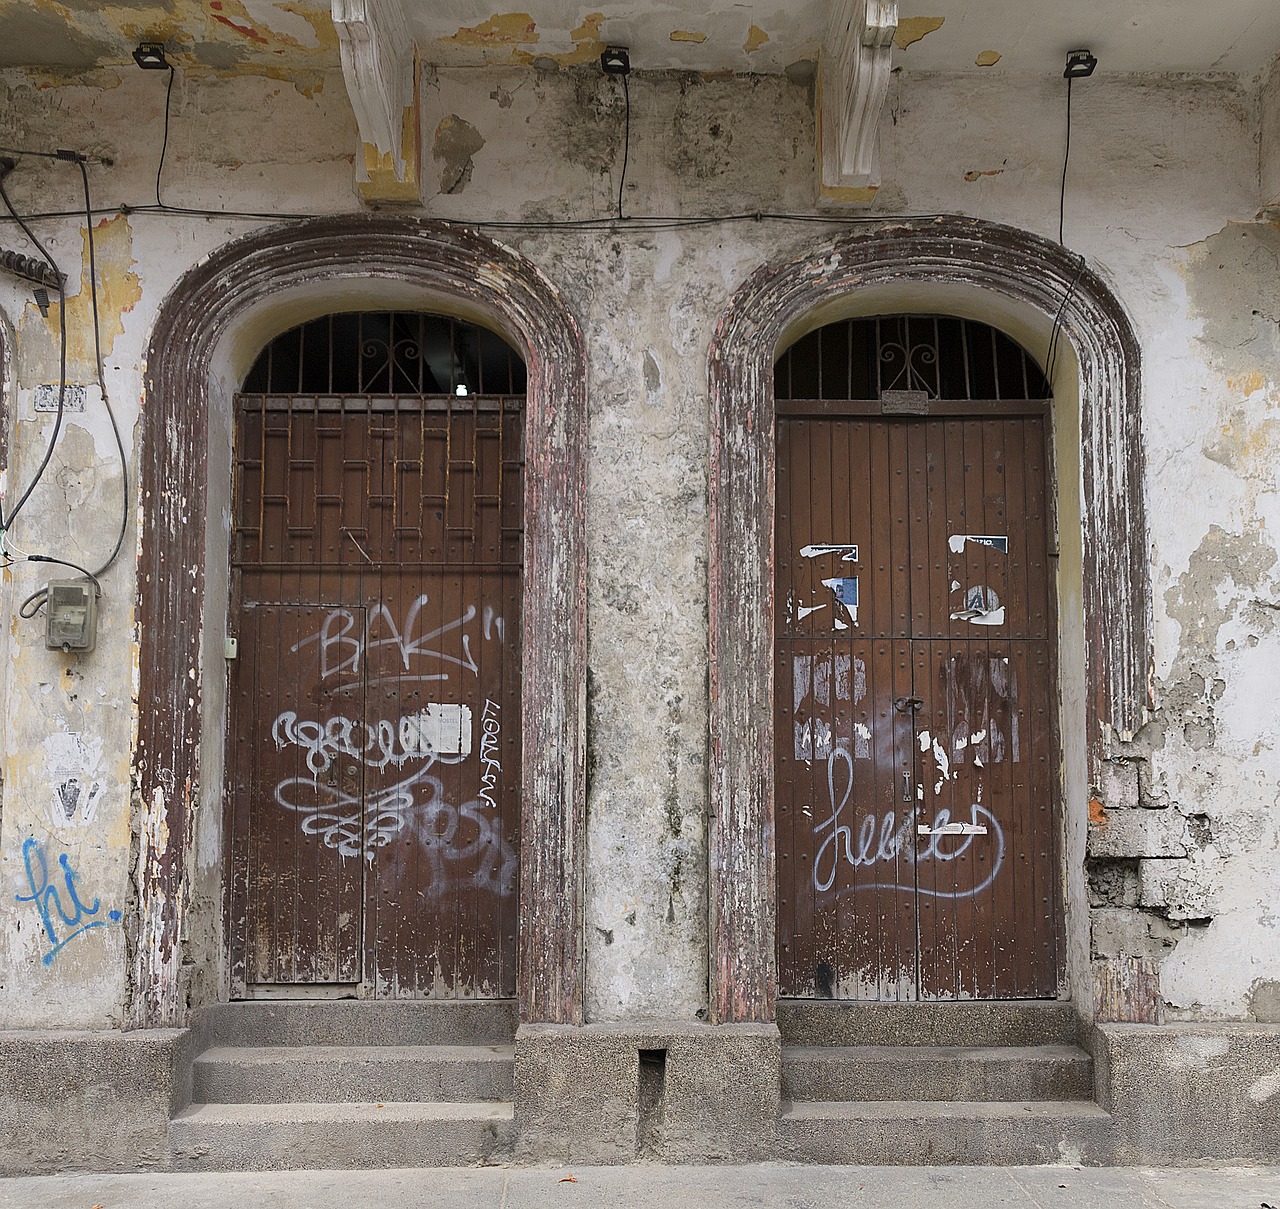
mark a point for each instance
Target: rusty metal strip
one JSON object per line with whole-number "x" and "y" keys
{"x": 214, "y": 298}
{"x": 954, "y": 251}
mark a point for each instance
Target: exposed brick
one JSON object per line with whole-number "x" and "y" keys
{"x": 1118, "y": 784}
{"x": 1179, "y": 889}
{"x": 1141, "y": 833}
{"x": 1119, "y": 931}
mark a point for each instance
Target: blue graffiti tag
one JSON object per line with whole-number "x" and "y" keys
{"x": 49, "y": 900}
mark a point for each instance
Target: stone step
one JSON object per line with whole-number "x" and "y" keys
{"x": 332, "y": 1074}
{"x": 967, "y": 1023}
{"x": 359, "y": 1022}
{"x": 922, "y": 1072}
{"x": 278, "y": 1137}
{"x": 929, "y": 1133}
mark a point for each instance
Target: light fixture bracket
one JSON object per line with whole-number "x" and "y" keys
{"x": 1080, "y": 64}
{"x": 614, "y": 61}
{"x": 150, "y": 56}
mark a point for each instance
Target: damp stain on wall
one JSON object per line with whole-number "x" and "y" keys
{"x": 456, "y": 141}
{"x": 119, "y": 291}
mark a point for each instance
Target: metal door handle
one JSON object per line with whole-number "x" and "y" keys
{"x": 906, "y": 705}
{"x": 906, "y": 786}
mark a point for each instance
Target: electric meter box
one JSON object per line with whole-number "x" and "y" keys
{"x": 72, "y": 615}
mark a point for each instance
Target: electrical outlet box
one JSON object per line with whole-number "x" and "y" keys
{"x": 72, "y": 615}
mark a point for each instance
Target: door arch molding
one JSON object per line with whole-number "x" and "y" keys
{"x": 1015, "y": 280}
{"x": 209, "y": 328}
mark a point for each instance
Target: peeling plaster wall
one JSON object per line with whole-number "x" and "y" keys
{"x": 1179, "y": 866}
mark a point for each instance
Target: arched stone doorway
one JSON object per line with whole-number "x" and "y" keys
{"x": 209, "y": 330}
{"x": 1028, "y": 287}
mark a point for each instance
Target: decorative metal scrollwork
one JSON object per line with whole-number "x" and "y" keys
{"x": 905, "y": 368}
{"x": 926, "y": 356}
{"x": 387, "y": 352}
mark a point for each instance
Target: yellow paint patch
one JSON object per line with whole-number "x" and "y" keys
{"x": 685, "y": 35}
{"x": 912, "y": 29}
{"x": 590, "y": 28}
{"x": 380, "y": 170}
{"x": 119, "y": 291}
{"x": 588, "y": 45}
{"x": 839, "y": 196}
{"x": 756, "y": 38}
{"x": 321, "y": 20}
{"x": 988, "y": 58}
{"x": 502, "y": 29}
{"x": 1248, "y": 383}
{"x": 974, "y": 174}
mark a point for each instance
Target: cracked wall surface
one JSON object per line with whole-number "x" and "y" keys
{"x": 1181, "y": 865}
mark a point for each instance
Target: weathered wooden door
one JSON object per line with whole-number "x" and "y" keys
{"x": 375, "y": 695}
{"x": 917, "y": 835}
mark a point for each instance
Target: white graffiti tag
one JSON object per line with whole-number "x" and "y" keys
{"x": 345, "y": 646}
{"x": 460, "y": 843}
{"x": 377, "y": 745}
{"x": 449, "y": 834}
{"x": 491, "y": 766}
{"x": 885, "y": 840}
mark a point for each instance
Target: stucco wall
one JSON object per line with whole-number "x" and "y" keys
{"x": 1162, "y": 194}
{"x": 1269, "y": 146}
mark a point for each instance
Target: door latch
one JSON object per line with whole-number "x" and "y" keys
{"x": 908, "y": 705}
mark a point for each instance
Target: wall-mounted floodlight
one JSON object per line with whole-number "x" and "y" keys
{"x": 150, "y": 56}
{"x": 615, "y": 61}
{"x": 1080, "y": 63}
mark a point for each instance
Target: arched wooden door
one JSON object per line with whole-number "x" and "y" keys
{"x": 373, "y": 754}
{"x": 916, "y": 786}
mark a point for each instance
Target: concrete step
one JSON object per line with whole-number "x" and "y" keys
{"x": 923, "y": 1072}
{"x": 969, "y": 1023}
{"x": 360, "y": 1022}
{"x": 927, "y": 1133}
{"x": 277, "y": 1137}
{"x": 332, "y": 1074}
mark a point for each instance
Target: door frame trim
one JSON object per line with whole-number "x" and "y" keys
{"x": 209, "y": 328}
{"x": 995, "y": 269}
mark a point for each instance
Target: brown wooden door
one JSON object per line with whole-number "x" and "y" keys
{"x": 916, "y": 828}
{"x": 375, "y": 698}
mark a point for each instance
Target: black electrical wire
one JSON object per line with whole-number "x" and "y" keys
{"x": 164, "y": 146}
{"x": 626, "y": 142}
{"x": 33, "y": 603}
{"x": 653, "y": 222}
{"x": 102, "y": 382}
{"x": 6, "y": 522}
{"x": 1051, "y": 357}
{"x": 1066, "y": 157}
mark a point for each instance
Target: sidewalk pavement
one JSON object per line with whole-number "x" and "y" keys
{"x": 646, "y": 1186}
